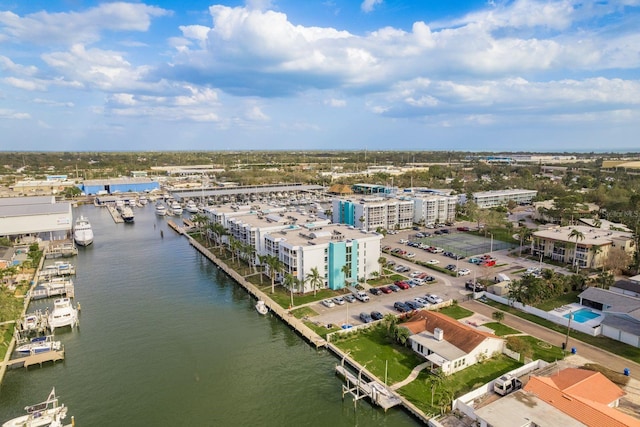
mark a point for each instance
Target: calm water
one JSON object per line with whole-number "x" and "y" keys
{"x": 166, "y": 339}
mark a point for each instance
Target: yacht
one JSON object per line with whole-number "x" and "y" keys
{"x": 161, "y": 209}
{"x": 48, "y": 413}
{"x": 176, "y": 209}
{"x": 82, "y": 232}
{"x": 191, "y": 207}
{"x": 63, "y": 314}
{"x": 127, "y": 214}
{"x": 142, "y": 200}
{"x": 39, "y": 345}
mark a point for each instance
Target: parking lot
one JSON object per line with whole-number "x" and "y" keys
{"x": 445, "y": 286}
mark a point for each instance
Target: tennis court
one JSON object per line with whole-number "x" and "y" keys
{"x": 466, "y": 244}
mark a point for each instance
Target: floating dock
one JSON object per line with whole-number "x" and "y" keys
{"x": 117, "y": 218}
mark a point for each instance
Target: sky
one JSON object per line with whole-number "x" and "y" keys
{"x": 522, "y": 75}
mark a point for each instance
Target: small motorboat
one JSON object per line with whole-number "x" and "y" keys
{"x": 48, "y": 413}
{"x": 161, "y": 209}
{"x": 39, "y": 345}
{"x": 261, "y": 307}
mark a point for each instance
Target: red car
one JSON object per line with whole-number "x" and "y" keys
{"x": 385, "y": 289}
{"x": 402, "y": 285}
{"x": 488, "y": 263}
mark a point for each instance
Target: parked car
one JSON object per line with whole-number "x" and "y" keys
{"x": 328, "y": 303}
{"x": 488, "y": 263}
{"x": 475, "y": 287}
{"x": 433, "y": 299}
{"x": 475, "y": 260}
{"x": 402, "y": 284}
{"x": 464, "y": 272}
{"x": 410, "y": 255}
{"x": 433, "y": 262}
{"x": 385, "y": 289}
{"x": 451, "y": 267}
{"x": 394, "y": 288}
{"x": 401, "y": 307}
{"x": 463, "y": 228}
{"x": 366, "y": 317}
{"x": 458, "y": 257}
{"x": 429, "y": 279}
{"x": 413, "y": 305}
{"x": 362, "y": 296}
{"x": 415, "y": 274}
{"x": 350, "y": 298}
{"x": 375, "y": 291}
{"x": 376, "y": 315}
{"x": 421, "y": 301}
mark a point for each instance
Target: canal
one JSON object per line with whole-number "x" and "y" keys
{"x": 167, "y": 339}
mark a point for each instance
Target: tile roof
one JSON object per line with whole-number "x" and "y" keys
{"x": 460, "y": 335}
{"x": 584, "y": 395}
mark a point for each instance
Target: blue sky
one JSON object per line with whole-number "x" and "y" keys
{"x": 521, "y": 75}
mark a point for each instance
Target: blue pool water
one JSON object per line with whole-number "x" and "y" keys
{"x": 583, "y": 315}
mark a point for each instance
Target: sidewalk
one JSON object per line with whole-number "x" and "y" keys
{"x": 585, "y": 350}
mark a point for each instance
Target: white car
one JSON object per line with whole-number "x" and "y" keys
{"x": 338, "y": 300}
{"x": 411, "y": 255}
{"x": 433, "y": 262}
{"x": 464, "y": 272}
{"x": 415, "y": 274}
{"x": 421, "y": 300}
{"x": 328, "y": 303}
{"x": 433, "y": 299}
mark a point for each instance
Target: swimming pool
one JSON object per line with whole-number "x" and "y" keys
{"x": 582, "y": 315}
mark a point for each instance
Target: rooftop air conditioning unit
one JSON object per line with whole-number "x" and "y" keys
{"x": 438, "y": 334}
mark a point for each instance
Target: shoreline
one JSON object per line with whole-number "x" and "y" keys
{"x": 296, "y": 324}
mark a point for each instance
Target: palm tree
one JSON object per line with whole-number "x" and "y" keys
{"x": 289, "y": 282}
{"x": 262, "y": 260}
{"x": 578, "y": 235}
{"x": 275, "y": 266}
{"x": 382, "y": 261}
{"x": 525, "y": 234}
{"x": 315, "y": 279}
{"x": 218, "y": 230}
{"x": 346, "y": 269}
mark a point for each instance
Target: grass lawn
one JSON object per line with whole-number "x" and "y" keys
{"x": 301, "y": 312}
{"x": 541, "y": 349}
{"x": 372, "y": 348}
{"x": 559, "y": 301}
{"x": 616, "y": 347}
{"x": 456, "y": 312}
{"x": 419, "y": 391}
{"x": 500, "y": 330}
{"x": 321, "y": 329}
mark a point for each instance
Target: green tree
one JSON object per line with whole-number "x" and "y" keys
{"x": 275, "y": 266}
{"x": 315, "y": 280}
{"x": 382, "y": 261}
{"x": 346, "y": 270}
{"x": 578, "y": 235}
{"x": 498, "y": 316}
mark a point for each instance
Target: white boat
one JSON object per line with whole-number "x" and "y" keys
{"x": 161, "y": 209}
{"x": 191, "y": 207}
{"x": 82, "y": 232}
{"x": 261, "y": 307}
{"x": 142, "y": 200}
{"x": 48, "y": 413}
{"x": 30, "y": 322}
{"x": 127, "y": 214}
{"x": 63, "y": 314}
{"x": 39, "y": 345}
{"x": 176, "y": 209}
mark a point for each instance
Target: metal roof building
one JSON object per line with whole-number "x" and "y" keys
{"x": 39, "y": 216}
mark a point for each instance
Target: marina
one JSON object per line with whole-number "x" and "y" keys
{"x": 157, "y": 312}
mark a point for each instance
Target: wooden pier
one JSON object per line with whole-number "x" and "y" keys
{"x": 35, "y": 359}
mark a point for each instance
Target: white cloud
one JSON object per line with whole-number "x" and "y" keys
{"x": 24, "y": 84}
{"x": 73, "y": 27}
{"x": 368, "y": 5}
{"x": 13, "y": 115}
{"x": 337, "y": 103}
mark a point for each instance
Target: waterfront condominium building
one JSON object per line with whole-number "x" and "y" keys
{"x": 301, "y": 241}
{"x": 491, "y": 199}
{"x": 372, "y": 213}
{"x": 591, "y": 251}
{"x": 431, "y": 209}
{"x": 328, "y": 248}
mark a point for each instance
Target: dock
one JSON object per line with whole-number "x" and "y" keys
{"x": 117, "y": 218}
{"x": 359, "y": 388}
{"x": 35, "y": 359}
{"x": 53, "y": 288}
{"x": 66, "y": 249}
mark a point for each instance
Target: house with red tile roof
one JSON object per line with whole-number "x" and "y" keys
{"x": 584, "y": 395}
{"x": 449, "y": 344}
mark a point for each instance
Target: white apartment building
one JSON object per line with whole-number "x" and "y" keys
{"x": 371, "y": 213}
{"x": 302, "y": 241}
{"x": 434, "y": 209}
{"x": 491, "y": 199}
